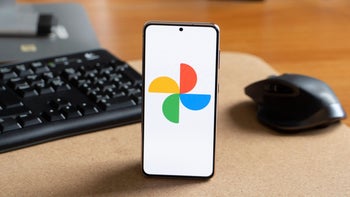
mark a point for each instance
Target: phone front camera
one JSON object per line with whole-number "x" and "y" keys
{"x": 181, "y": 29}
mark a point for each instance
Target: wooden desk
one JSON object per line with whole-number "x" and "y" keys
{"x": 309, "y": 37}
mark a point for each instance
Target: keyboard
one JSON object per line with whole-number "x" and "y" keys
{"x": 62, "y": 96}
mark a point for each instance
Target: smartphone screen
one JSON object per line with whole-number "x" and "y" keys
{"x": 180, "y": 91}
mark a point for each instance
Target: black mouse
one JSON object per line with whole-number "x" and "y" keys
{"x": 293, "y": 102}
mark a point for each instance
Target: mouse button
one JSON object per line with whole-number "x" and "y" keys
{"x": 272, "y": 76}
{"x": 280, "y": 88}
{"x": 336, "y": 111}
{"x": 315, "y": 87}
{"x": 255, "y": 90}
{"x": 326, "y": 95}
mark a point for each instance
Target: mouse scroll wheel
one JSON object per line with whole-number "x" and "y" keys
{"x": 278, "y": 88}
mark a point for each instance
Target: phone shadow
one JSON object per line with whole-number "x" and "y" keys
{"x": 244, "y": 117}
{"x": 129, "y": 181}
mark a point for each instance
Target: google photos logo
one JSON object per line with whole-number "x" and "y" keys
{"x": 171, "y": 105}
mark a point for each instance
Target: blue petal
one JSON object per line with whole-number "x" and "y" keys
{"x": 195, "y": 101}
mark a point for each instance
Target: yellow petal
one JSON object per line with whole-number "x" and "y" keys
{"x": 164, "y": 85}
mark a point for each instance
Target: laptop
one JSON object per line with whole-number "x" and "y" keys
{"x": 73, "y": 33}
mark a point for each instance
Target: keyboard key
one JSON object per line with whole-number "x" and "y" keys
{"x": 57, "y": 82}
{"x": 29, "y": 120}
{"x": 21, "y": 85}
{"x": 36, "y": 64}
{"x": 89, "y": 73}
{"x": 6, "y": 74}
{"x": 87, "y": 109}
{"x": 116, "y": 94}
{"x": 23, "y": 70}
{"x": 133, "y": 91}
{"x": 48, "y": 76}
{"x": 115, "y": 62}
{"x": 4, "y": 70}
{"x": 59, "y": 103}
{"x": 27, "y": 92}
{"x": 70, "y": 73}
{"x": 45, "y": 90}
{"x": 38, "y": 82}
{"x": 70, "y": 112}
{"x": 96, "y": 96}
{"x": 137, "y": 98}
{"x": 107, "y": 86}
{"x": 9, "y": 100}
{"x": 31, "y": 78}
{"x": 116, "y": 103}
{"x": 39, "y": 68}
{"x": 15, "y": 111}
{"x": 119, "y": 66}
{"x": 53, "y": 115}
{"x": 9, "y": 124}
{"x": 78, "y": 82}
{"x": 59, "y": 85}
{"x": 17, "y": 82}
{"x": 114, "y": 77}
{"x": 106, "y": 70}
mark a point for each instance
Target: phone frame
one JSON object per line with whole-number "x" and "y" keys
{"x": 217, "y": 65}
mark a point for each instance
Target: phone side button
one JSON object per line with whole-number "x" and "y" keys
{"x": 219, "y": 59}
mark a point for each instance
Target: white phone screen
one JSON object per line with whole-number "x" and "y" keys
{"x": 180, "y": 91}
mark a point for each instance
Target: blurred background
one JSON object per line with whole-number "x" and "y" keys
{"x": 308, "y": 36}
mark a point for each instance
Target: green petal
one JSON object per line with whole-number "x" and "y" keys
{"x": 171, "y": 108}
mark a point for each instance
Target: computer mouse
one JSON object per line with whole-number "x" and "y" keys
{"x": 293, "y": 102}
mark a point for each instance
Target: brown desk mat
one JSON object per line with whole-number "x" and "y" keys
{"x": 251, "y": 160}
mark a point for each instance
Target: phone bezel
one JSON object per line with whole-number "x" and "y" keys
{"x": 182, "y": 25}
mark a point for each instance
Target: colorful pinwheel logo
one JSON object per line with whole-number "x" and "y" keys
{"x": 171, "y": 105}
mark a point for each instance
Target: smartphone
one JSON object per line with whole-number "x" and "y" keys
{"x": 180, "y": 73}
